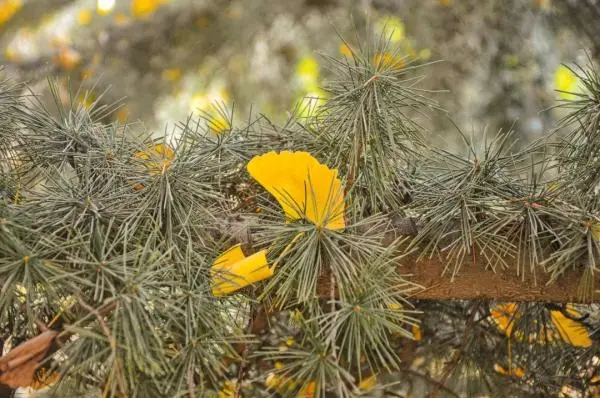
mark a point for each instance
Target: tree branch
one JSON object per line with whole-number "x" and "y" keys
{"x": 478, "y": 283}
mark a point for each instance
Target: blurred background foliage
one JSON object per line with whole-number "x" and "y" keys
{"x": 500, "y": 61}
{"x": 494, "y": 65}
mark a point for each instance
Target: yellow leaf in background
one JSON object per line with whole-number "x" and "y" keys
{"x": 544, "y": 4}
{"x": 143, "y": 8}
{"x": 368, "y": 383}
{"x": 87, "y": 99}
{"x": 518, "y": 372}
{"x": 304, "y": 188}
{"x": 8, "y": 9}
{"x": 571, "y": 331}
{"x": 232, "y": 270}
{"x": 416, "y": 332}
{"x": 21, "y": 292}
{"x": 307, "y": 72}
{"x": 345, "y": 50}
{"x": 273, "y": 381}
{"x": 308, "y": 66}
{"x": 228, "y": 390}
{"x": 11, "y": 55}
{"x": 105, "y": 7}
{"x": 84, "y": 17}
{"x": 159, "y": 158}
{"x": 67, "y": 58}
{"x": 387, "y": 60}
{"x": 171, "y": 74}
{"x": 308, "y": 391}
{"x": 504, "y": 315}
{"x": 310, "y": 103}
{"x": 201, "y": 101}
{"x": 425, "y": 54}
{"x": 122, "y": 115}
{"x": 121, "y": 19}
{"x": 218, "y": 124}
{"x": 391, "y": 28}
{"x": 566, "y": 82}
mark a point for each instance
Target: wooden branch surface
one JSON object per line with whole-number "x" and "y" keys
{"x": 474, "y": 282}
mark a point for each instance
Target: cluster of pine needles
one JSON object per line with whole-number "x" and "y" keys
{"x": 256, "y": 261}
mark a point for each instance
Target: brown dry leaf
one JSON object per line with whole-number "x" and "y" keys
{"x": 18, "y": 367}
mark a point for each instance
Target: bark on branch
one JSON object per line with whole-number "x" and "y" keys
{"x": 474, "y": 282}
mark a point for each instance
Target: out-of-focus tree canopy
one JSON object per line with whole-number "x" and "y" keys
{"x": 500, "y": 61}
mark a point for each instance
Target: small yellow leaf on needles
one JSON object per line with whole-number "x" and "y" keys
{"x": 232, "y": 270}
{"x": 159, "y": 157}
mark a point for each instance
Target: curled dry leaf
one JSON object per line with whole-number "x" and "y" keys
{"x": 18, "y": 367}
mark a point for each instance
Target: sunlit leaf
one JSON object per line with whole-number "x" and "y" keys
{"x": 304, "y": 188}
{"x": 232, "y": 270}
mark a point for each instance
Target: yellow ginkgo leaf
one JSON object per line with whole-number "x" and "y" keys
{"x": 571, "y": 331}
{"x": 304, "y": 188}
{"x": 232, "y": 270}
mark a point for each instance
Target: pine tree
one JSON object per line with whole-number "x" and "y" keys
{"x": 263, "y": 259}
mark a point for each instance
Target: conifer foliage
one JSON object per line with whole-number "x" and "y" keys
{"x": 261, "y": 260}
